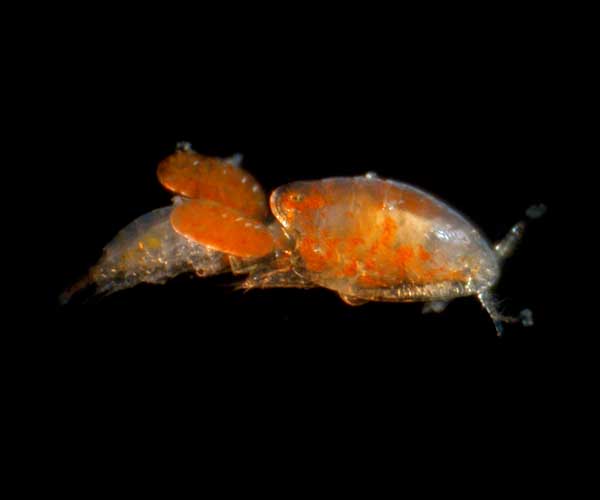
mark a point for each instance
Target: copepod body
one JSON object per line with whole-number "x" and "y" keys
{"x": 366, "y": 238}
{"x": 375, "y": 239}
{"x": 371, "y": 239}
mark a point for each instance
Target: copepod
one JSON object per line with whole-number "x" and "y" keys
{"x": 371, "y": 239}
{"x": 366, "y": 238}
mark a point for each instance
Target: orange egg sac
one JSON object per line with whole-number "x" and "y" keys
{"x": 192, "y": 175}
{"x": 222, "y": 228}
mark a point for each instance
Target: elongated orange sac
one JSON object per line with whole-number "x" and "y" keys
{"x": 197, "y": 176}
{"x": 222, "y": 228}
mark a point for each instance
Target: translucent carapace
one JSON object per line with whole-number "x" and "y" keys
{"x": 375, "y": 239}
{"x": 366, "y": 238}
{"x": 371, "y": 239}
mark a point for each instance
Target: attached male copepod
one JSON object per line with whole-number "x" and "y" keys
{"x": 366, "y": 238}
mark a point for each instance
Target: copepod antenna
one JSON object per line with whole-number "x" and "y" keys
{"x": 506, "y": 246}
{"x": 504, "y": 249}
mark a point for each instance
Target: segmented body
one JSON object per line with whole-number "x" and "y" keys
{"x": 382, "y": 240}
{"x": 366, "y": 238}
{"x": 148, "y": 250}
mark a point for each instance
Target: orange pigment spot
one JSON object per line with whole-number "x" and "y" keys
{"x": 424, "y": 255}
{"x": 350, "y": 268}
{"x": 313, "y": 260}
{"x": 354, "y": 242}
{"x": 371, "y": 281}
{"x": 441, "y": 274}
{"x": 404, "y": 254}
{"x": 389, "y": 229}
{"x": 331, "y": 247}
{"x": 314, "y": 201}
{"x": 374, "y": 248}
{"x": 370, "y": 264}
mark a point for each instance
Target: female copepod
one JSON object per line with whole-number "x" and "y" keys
{"x": 366, "y": 238}
{"x": 380, "y": 240}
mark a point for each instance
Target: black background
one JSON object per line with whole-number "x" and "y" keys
{"x": 475, "y": 118}
{"x": 484, "y": 142}
{"x": 481, "y": 136}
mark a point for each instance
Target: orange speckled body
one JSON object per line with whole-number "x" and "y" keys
{"x": 366, "y": 238}
{"x": 382, "y": 240}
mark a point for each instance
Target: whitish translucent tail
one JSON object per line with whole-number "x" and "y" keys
{"x": 147, "y": 250}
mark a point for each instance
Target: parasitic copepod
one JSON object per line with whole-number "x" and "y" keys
{"x": 371, "y": 239}
{"x": 366, "y": 238}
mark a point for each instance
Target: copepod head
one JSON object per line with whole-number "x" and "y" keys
{"x": 296, "y": 201}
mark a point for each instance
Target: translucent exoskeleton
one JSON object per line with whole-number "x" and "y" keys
{"x": 148, "y": 250}
{"x": 366, "y": 238}
{"x": 173, "y": 240}
{"x": 371, "y": 239}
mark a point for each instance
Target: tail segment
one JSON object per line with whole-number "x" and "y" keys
{"x": 75, "y": 289}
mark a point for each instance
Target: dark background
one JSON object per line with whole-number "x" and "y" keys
{"x": 475, "y": 111}
{"x": 487, "y": 148}
{"x": 476, "y": 120}
{"x": 485, "y": 141}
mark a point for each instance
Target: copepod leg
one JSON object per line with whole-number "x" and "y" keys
{"x": 506, "y": 246}
{"x": 504, "y": 249}
{"x": 489, "y": 304}
{"x": 352, "y": 301}
{"x": 437, "y": 306}
{"x": 275, "y": 278}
